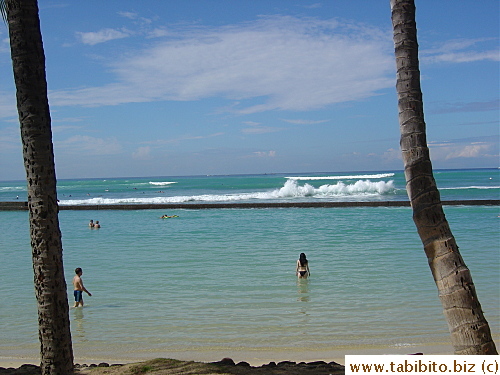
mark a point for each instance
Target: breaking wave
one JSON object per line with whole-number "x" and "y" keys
{"x": 290, "y": 190}
{"x": 162, "y": 183}
{"x": 354, "y": 177}
{"x": 361, "y": 187}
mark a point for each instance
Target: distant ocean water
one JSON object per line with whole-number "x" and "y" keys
{"x": 223, "y": 279}
{"x": 377, "y": 186}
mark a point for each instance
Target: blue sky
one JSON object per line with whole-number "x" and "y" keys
{"x": 159, "y": 88}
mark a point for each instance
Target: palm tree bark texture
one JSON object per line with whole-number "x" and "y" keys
{"x": 28, "y": 62}
{"x": 470, "y": 332}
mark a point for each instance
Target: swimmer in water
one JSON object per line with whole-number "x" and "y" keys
{"x": 302, "y": 268}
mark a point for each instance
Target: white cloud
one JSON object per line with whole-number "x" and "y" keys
{"x": 158, "y": 33}
{"x": 444, "y": 154}
{"x": 252, "y": 123}
{"x": 392, "y": 154}
{"x": 447, "y": 107}
{"x": 67, "y": 119}
{"x": 101, "y": 36}
{"x": 468, "y": 151}
{"x": 313, "y": 6}
{"x": 88, "y": 146}
{"x": 142, "y": 153}
{"x": 129, "y": 15}
{"x": 287, "y": 63}
{"x": 10, "y": 139}
{"x": 466, "y": 57}
{"x": 135, "y": 17}
{"x": 63, "y": 128}
{"x": 446, "y": 151}
{"x": 8, "y": 105}
{"x": 459, "y": 51}
{"x": 305, "y": 122}
{"x": 4, "y": 45}
{"x": 257, "y": 128}
{"x": 455, "y": 45}
{"x": 159, "y": 142}
{"x": 264, "y": 154}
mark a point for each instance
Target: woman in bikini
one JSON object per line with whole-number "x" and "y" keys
{"x": 302, "y": 269}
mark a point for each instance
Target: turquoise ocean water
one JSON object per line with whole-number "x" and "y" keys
{"x": 222, "y": 280}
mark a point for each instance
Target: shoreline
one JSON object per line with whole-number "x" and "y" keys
{"x": 253, "y": 357}
{"x": 23, "y": 205}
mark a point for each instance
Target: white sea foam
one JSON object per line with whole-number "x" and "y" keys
{"x": 165, "y": 183}
{"x": 360, "y": 187}
{"x": 12, "y": 188}
{"x": 291, "y": 189}
{"x": 471, "y": 187}
{"x": 353, "y": 177}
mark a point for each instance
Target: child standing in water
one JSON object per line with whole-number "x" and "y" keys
{"x": 79, "y": 288}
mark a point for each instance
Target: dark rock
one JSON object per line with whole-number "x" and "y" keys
{"x": 270, "y": 364}
{"x": 22, "y": 370}
{"x": 243, "y": 363}
{"x": 226, "y": 362}
{"x": 317, "y": 363}
{"x": 103, "y": 364}
{"x": 28, "y": 369}
{"x": 334, "y": 364}
{"x": 286, "y": 363}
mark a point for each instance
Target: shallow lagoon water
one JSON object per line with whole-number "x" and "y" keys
{"x": 223, "y": 280}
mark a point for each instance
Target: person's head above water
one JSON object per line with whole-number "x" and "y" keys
{"x": 303, "y": 259}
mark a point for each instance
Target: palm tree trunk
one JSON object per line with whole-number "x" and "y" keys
{"x": 470, "y": 333}
{"x": 28, "y": 62}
